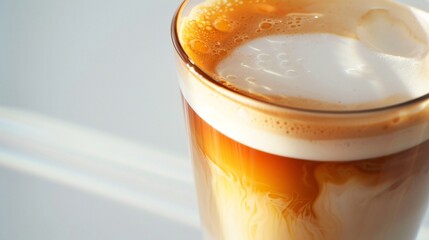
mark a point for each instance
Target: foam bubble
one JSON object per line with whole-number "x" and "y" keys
{"x": 199, "y": 46}
{"x": 223, "y": 25}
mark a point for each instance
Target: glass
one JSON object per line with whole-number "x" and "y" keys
{"x": 266, "y": 169}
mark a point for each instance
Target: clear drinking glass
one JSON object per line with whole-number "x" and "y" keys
{"x": 299, "y": 169}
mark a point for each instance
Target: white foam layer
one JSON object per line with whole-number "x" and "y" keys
{"x": 225, "y": 111}
{"x": 324, "y": 67}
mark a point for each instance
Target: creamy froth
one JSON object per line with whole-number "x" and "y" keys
{"x": 323, "y": 71}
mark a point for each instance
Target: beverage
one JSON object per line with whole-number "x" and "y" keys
{"x": 308, "y": 119}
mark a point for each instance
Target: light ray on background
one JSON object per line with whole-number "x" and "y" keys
{"x": 98, "y": 163}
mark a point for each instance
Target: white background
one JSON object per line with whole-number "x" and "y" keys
{"x": 95, "y": 79}
{"x": 107, "y": 66}
{"x": 104, "y": 64}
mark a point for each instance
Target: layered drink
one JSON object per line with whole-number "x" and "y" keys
{"x": 308, "y": 119}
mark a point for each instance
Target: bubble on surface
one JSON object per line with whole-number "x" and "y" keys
{"x": 240, "y": 38}
{"x": 223, "y": 25}
{"x": 199, "y": 46}
{"x": 265, "y": 25}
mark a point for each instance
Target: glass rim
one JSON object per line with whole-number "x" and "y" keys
{"x": 206, "y": 77}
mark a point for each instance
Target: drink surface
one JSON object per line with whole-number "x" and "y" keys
{"x": 324, "y": 54}
{"x": 310, "y": 54}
